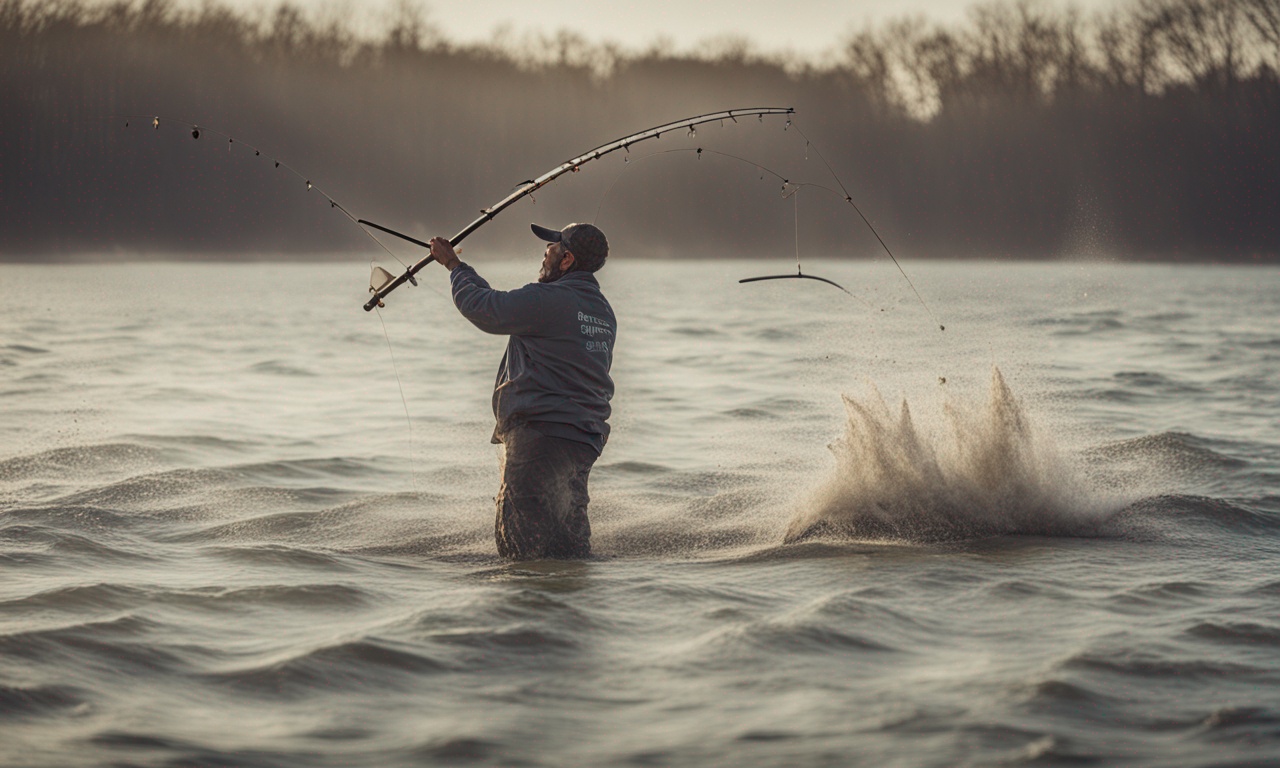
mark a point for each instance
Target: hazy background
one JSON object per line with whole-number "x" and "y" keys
{"x": 1134, "y": 130}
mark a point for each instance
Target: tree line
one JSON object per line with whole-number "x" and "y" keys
{"x": 1029, "y": 130}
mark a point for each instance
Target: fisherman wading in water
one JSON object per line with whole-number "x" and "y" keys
{"x": 551, "y": 398}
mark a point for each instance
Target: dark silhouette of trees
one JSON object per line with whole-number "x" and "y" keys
{"x": 1031, "y": 130}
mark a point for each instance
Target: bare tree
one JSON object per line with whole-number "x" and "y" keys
{"x": 1264, "y": 17}
{"x": 1203, "y": 39}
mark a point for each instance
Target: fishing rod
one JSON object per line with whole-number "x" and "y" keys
{"x": 533, "y": 185}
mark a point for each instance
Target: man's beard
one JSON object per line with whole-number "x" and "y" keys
{"x": 552, "y": 273}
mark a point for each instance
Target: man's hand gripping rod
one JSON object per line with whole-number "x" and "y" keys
{"x": 408, "y": 275}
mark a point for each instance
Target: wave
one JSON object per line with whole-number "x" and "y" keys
{"x": 1174, "y": 453}
{"x": 26, "y": 349}
{"x": 33, "y": 701}
{"x": 1244, "y": 632}
{"x": 77, "y": 459}
{"x": 280, "y": 368}
{"x": 1138, "y": 664}
{"x": 118, "y": 597}
{"x": 1172, "y": 514}
{"x": 354, "y": 664}
{"x": 992, "y": 476}
{"x": 115, "y": 646}
{"x": 32, "y": 544}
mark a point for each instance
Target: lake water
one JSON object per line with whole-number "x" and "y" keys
{"x": 223, "y": 543}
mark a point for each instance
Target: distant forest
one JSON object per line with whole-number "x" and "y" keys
{"x": 1030, "y": 130}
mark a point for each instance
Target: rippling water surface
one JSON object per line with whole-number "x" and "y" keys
{"x": 826, "y": 532}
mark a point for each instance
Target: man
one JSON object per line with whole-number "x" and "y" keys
{"x": 551, "y": 398}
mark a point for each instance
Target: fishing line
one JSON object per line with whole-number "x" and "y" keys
{"x": 795, "y": 199}
{"x": 197, "y": 132}
{"x": 849, "y": 199}
{"x": 789, "y": 189}
{"x": 413, "y": 465}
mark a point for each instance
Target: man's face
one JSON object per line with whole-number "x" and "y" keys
{"x": 551, "y": 261}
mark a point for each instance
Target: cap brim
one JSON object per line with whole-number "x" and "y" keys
{"x": 542, "y": 233}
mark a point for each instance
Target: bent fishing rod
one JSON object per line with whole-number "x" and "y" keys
{"x": 533, "y": 185}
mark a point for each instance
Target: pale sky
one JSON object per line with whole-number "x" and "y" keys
{"x": 807, "y": 27}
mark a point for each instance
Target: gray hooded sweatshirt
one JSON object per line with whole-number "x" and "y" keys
{"x": 554, "y": 376}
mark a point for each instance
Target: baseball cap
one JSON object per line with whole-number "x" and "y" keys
{"x": 587, "y": 243}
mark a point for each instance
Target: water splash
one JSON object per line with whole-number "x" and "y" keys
{"x": 988, "y": 473}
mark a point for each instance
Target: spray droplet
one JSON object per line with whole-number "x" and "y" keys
{"x": 308, "y": 184}
{"x": 126, "y": 123}
{"x": 332, "y": 204}
{"x": 195, "y": 133}
{"x": 760, "y": 118}
{"x": 277, "y": 163}
{"x": 626, "y": 159}
{"x": 256, "y": 152}
{"x": 699, "y": 153}
{"x": 806, "y": 150}
{"x": 155, "y": 123}
{"x": 693, "y": 132}
{"x": 942, "y": 327}
{"x": 788, "y": 125}
{"x": 942, "y": 379}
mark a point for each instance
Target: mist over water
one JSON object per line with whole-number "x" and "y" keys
{"x": 824, "y": 531}
{"x": 1018, "y": 132}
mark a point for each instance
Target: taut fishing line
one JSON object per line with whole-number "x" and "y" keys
{"x": 842, "y": 193}
{"x": 849, "y": 199}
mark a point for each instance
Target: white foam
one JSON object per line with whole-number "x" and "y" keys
{"x": 979, "y": 470}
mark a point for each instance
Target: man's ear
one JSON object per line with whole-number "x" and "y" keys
{"x": 567, "y": 261}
